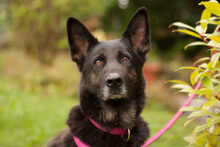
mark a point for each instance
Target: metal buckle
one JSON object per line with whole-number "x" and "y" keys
{"x": 128, "y": 136}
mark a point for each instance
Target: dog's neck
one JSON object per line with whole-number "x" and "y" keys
{"x": 121, "y": 114}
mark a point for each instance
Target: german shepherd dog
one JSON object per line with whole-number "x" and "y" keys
{"x": 111, "y": 88}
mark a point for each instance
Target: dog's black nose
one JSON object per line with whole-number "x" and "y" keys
{"x": 114, "y": 80}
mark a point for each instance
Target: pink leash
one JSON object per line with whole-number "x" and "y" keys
{"x": 172, "y": 121}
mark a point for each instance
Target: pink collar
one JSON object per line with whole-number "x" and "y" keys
{"x": 113, "y": 131}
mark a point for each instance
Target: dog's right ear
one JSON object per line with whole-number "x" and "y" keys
{"x": 138, "y": 32}
{"x": 80, "y": 40}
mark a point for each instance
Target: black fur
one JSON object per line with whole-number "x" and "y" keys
{"x": 97, "y": 61}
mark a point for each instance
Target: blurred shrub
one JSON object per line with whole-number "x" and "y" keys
{"x": 39, "y": 26}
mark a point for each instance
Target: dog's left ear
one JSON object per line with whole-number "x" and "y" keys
{"x": 138, "y": 32}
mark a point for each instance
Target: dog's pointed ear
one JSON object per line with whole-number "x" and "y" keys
{"x": 80, "y": 40}
{"x": 138, "y": 32}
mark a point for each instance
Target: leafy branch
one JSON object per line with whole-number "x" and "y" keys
{"x": 207, "y": 71}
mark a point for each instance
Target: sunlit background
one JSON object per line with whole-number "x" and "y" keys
{"x": 39, "y": 82}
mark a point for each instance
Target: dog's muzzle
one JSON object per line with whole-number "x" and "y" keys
{"x": 114, "y": 87}
{"x": 114, "y": 80}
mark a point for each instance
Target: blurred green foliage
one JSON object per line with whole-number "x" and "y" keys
{"x": 39, "y": 26}
{"x": 162, "y": 14}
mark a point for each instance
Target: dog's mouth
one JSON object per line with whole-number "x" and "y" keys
{"x": 114, "y": 94}
{"x": 115, "y": 97}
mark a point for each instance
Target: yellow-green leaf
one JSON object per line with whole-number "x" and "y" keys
{"x": 216, "y": 76}
{"x": 193, "y": 68}
{"x": 206, "y": 82}
{"x": 201, "y": 60}
{"x": 217, "y": 28}
{"x": 187, "y": 90}
{"x": 215, "y": 59}
{"x": 189, "y": 121}
{"x": 203, "y": 91}
{"x": 200, "y": 128}
{"x": 197, "y": 114}
{"x": 209, "y": 22}
{"x": 193, "y": 77}
{"x": 212, "y": 129}
{"x": 213, "y": 6}
{"x": 180, "y": 86}
{"x": 205, "y": 15}
{"x": 214, "y": 49}
{"x": 215, "y": 38}
{"x": 180, "y": 24}
{"x": 179, "y": 82}
{"x": 190, "y": 108}
{"x": 201, "y": 75}
{"x": 203, "y": 65}
{"x": 210, "y": 103}
{"x": 197, "y": 43}
{"x": 214, "y": 44}
{"x": 188, "y": 33}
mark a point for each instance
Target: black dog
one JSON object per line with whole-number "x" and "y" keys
{"x": 111, "y": 88}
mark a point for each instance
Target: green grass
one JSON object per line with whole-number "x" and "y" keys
{"x": 158, "y": 115}
{"x": 31, "y": 119}
{"x": 31, "y": 113}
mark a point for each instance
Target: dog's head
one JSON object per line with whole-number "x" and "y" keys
{"x": 111, "y": 69}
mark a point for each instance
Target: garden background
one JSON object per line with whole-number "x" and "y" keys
{"x": 39, "y": 82}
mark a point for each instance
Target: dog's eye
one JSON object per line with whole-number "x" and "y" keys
{"x": 124, "y": 59}
{"x": 98, "y": 62}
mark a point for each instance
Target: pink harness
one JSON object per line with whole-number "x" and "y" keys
{"x": 113, "y": 131}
